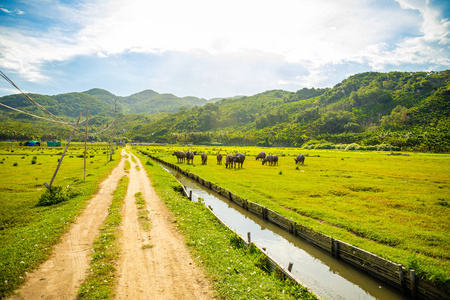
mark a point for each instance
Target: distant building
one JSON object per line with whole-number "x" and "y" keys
{"x": 53, "y": 144}
{"x": 33, "y": 143}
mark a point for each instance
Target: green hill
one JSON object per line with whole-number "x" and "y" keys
{"x": 406, "y": 110}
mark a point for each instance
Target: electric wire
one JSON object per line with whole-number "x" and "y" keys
{"x": 53, "y": 117}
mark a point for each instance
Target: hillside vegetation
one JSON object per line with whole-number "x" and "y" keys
{"x": 409, "y": 111}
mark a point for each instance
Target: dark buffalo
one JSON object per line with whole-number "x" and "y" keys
{"x": 261, "y": 155}
{"x": 300, "y": 159}
{"x": 204, "y": 157}
{"x": 238, "y": 160}
{"x": 181, "y": 156}
{"x": 190, "y": 156}
{"x": 219, "y": 158}
{"x": 275, "y": 160}
{"x": 268, "y": 159}
{"x": 228, "y": 161}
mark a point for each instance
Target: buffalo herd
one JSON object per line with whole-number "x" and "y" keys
{"x": 233, "y": 161}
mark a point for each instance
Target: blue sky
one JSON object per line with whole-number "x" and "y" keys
{"x": 213, "y": 49}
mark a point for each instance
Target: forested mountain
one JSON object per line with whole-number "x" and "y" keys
{"x": 141, "y": 108}
{"x": 406, "y": 110}
{"x": 100, "y": 101}
{"x": 147, "y": 102}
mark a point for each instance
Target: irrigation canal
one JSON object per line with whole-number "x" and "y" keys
{"x": 319, "y": 271}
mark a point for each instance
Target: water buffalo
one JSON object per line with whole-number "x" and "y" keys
{"x": 268, "y": 159}
{"x": 228, "y": 161}
{"x": 204, "y": 157}
{"x": 238, "y": 160}
{"x": 181, "y": 156}
{"x": 300, "y": 159}
{"x": 219, "y": 158}
{"x": 275, "y": 160}
{"x": 190, "y": 156}
{"x": 261, "y": 155}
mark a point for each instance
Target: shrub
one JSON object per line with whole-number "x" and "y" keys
{"x": 368, "y": 148}
{"x": 55, "y": 195}
{"x": 15, "y": 164}
{"x": 387, "y": 147}
{"x": 324, "y": 146}
{"x": 352, "y": 147}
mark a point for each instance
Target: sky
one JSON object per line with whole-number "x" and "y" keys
{"x": 214, "y": 48}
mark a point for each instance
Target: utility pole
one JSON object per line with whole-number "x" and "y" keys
{"x": 85, "y": 143}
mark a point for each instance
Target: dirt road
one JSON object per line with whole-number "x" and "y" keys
{"x": 164, "y": 271}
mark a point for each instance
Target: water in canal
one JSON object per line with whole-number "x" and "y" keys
{"x": 318, "y": 270}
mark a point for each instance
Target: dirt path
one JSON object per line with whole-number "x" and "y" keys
{"x": 60, "y": 276}
{"x": 164, "y": 271}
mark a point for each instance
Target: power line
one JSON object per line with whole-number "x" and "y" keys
{"x": 53, "y": 117}
{"x": 34, "y": 102}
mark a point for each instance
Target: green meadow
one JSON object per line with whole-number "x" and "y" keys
{"x": 236, "y": 271}
{"x": 28, "y": 231}
{"x": 396, "y": 206}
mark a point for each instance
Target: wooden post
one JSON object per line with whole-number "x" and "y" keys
{"x": 336, "y": 248}
{"x": 111, "y": 152}
{"x": 62, "y": 156}
{"x": 249, "y": 237}
{"x": 107, "y": 146}
{"x": 290, "y": 267}
{"x": 401, "y": 277}
{"x": 114, "y": 129}
{"x": 295, "y": 229}
{"x": 85, "y": 143}
{"x": 413, "y": 283}
{"x": 264, "y": 213}
{"x": 190, "y": 195}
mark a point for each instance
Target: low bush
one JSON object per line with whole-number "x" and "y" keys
{"x": 352, "y": 147}
{"x": 56, "y": 194}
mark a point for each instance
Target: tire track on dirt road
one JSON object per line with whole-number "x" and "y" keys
{"x": 61, "y": 275}
{"x": 164, "y": 271}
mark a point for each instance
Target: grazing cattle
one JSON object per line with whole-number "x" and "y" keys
{"x": 190, "y": 156}
{"x": 268, "y": 159}
{"x": 181, "y": 156}
{"x": 228, "y": 161}
{"x": 275, "y": 160}
{"x": 176, "y": 154}
{"x": 261, "y": 155}
{"x": 219, "y": 158}
{"x": 204, "y": 157}
{"x": 238, "y": 160}
{"x": 300, "y": 159}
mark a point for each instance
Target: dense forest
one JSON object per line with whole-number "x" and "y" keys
{"x": 404, "y": 110}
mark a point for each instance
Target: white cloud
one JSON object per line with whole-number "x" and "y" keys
{"x": 5, "y": 10}
{"x": 312, "y": 33}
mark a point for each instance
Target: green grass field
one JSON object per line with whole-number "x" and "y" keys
{"x": 235, "y": 271}
{"x": 395, "y": 206}
{"x": 27, "y": 231}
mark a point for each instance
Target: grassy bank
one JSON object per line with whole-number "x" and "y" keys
{"x": 236, "y": 272}
{"x": 101, "y": 279}
{"x": 27, "y": 231}
{"x": 395, "y": 206}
